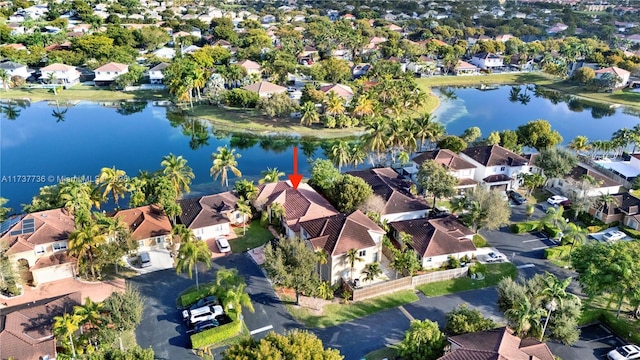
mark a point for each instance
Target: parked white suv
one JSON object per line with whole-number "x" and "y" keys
{"x": 202, "y": 314}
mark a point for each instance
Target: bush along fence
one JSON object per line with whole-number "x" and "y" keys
{"x": 207, "y": 338}
{"x": 369, "y": 291}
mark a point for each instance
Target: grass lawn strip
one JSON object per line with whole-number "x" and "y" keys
{"x": 84, "y": 93}
{"x": 255, "y": 237}
{"x": 495, "y": 273}
{"x": 389, "y": 352}
{"x": 334, "y": 314}
{"x": 603, "y": 308}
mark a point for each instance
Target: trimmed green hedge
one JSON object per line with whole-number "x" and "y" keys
{"x": 598, "y": 228}
{"x": 620, "y": 326}
{"x": 192, "y": 295}
{"x": 558, "y": 252}
{"x": 479, "y": 241}
{"x": 523, "y": 227}
{"x": 631, "y": 232}
{"x": 216, "y": 335}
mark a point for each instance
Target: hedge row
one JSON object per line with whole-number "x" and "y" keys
{"x": 631, "y": 232}
{"x": 523, "y": 227}
{"x": 558, "y": 252}
{"x": 218, "y": 334}
{"x": 192, "y": 295}
{"x": 598, "y": 228}
{"x": 479, "y": 241}
{"x": 620, "y": 326}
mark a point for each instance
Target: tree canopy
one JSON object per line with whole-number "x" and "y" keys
{"x": 435, "y": 179}
{"x": 294, "y": 345}
{"x": 556, "y": 163}
{"x": 538, "y": 134}
{"x": 423, "y": 341}
{"x": 291, "y": 263}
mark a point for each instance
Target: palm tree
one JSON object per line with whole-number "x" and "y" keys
{"x": 353, "y": 257}
{"x": 64, "y": 326}
{"x": 340, "y": 154}
{"x": 236, "y": 298}
{"x": 524, "y": 318}
{"x": 271, "y": 175}
{"x": 276, "y": 211}
{"x": 183, "y": 234}
{"x": 190, "y": 254}
{"x": 223, "y": 161}
{"x": 76, "y": 198}
{"x": 4, "y": 77}
{"x": 333, "y": 104}
{"x": 372, "y": 270}
{"x": 364, "y": 107}
{"x": 84, "y": 242}
{"x": 178, "y": 172}
{"x": 51, "y": 78}
{"x": 357, "y": 154}
{"x": 323, "y": 259}
{"x": 324, "y": 290}
{"x": 375, "y": 138}
{"x": 309, "y": 114}
{"x": 90, "y": 313}
{"x": 580, "y": 143}
{"x": 244, "y": 208}
{"x": 114, "y": 181}
{"x": 604, "y": 200}
{"x": 555, "y": 289}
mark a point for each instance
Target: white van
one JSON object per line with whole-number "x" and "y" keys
{"x": 202, "y": 314}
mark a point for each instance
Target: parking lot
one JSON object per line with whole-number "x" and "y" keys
{"x": 595, "y": 342}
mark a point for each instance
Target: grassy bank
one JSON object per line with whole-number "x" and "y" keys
{"x": 488, "y": 79}
{"x": 83, "y": 93}
{"x": 623, "y": 97}
{"x": 495, "y": 273}
{"x": 334, "y": 314}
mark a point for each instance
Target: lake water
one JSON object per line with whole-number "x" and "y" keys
{"x": 492, "y": 110}
{"x": 38, "y": 148}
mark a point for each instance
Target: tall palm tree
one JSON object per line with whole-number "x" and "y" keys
{"x": 183, "y": 234}
{"x": 113, "y": 181}
{"x": 334, "y": 104}
{"x": 189, "y": 255}
{"x": 4, "y": 77}
{"x": 375, "y": 138}
{"x": 309, "y": 114}
{"x": 175, "y": 168}
{"x": 580, "y": 143}
{"x": 604, "y": 200}
{"x": 525, "y": 318}
{"x": 223, "y": 161}
{"x": 90, "y": 313}
{"x": 271, "y": 175}
{"x": 323, "y": 259}
{"x": 237, "y": 298}
{"x": 555, "y": 289}
{"x": 364, "y": 107}
{"x": 51, "y": 78}
{"x": 64, "y": 326}
{"x": 340, "y": 154}
{"x": 276, "y": 211}
{"x": 372, "y": 270}
{"x": 76, "y": 197}
{"x": 353, "y": 257}
{"x": 244, "y": 208}
{"x": 357, "y": 154}
{"x": 83, "y": 244}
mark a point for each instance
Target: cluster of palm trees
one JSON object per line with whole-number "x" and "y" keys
{"x": 620, "y": 142}
{"x": 87, "y": 318}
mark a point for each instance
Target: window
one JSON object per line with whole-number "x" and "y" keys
{"x": 60, "y": 246}
{"x": 429, "y": 259}
{"x": 140, "y": 243}
{"x": 159, "y": 240}
{"x": 502, "y": 168}
{"x": 39, "y": 249}
{"x": 362, "y": 253}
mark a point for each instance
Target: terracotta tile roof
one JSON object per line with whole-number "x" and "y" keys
{"x": 435, "y": 237}
{"x": 579, "y": 171}
{"x": 265, "y": 87}
{"x": 622, "y": 73}
{"x": 58, "y": 67}
{"x": 339, "y": 233}
{"x": 49, "y": 226}
{"x": 494, "y": 155}
{"x": 248, "y": 64}
{"x": 393, "y": 189}
{"x": 53, "y": 260}
{"x": 207, "y": 210}
{"x": 145, "y": 222}
{"x": 340, "y": 90}
{"x": 444, "y": 157}
{"x": 300, "y": 205}
{"x": 501, "y": 342}
{"x": 464, "y": 65}
{"x": 112, "y": 66}
{"x": 27, "y": 335}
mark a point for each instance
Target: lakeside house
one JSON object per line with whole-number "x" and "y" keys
{"x": 211, "y": 215}
{"x": 496, "y": 167}
{"x": 622, "y": 75}
{"x": 487, "y": 60}
{"x": 156, "y": 73}
{"x": 584, "y": 181}
{"x": 65, "y": 75}
{"x": 107, "y": 73}
{"x": 463, "y": 170}
{"x": 265, "y": 88}
{"x": 149, "y": 226}
{"x": 15, "y": 69}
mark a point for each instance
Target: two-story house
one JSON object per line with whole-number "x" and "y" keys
{"x": 14, "y": 69}
{"x": 299, "y": 205}
{"x": 458, "y": 167}
{"x": 584, "y": 181}
{"x": 496, "y": 167}
{"x": 435, "y": 240}
{"x": 149, "y": 226}
{"x": 211, "y": 215}
{"x": 61, "y": 74}
{"x": 339, "y": 233}
{"x": 486, "y": 60}
{"x": 393, "y": 189}
{"x": 624, "y": 208}
{"x": 37, "y": 245}
{"x": 500, "y": 343}
{"x": 156, "y": 73}
{"x": 107, "y": 73}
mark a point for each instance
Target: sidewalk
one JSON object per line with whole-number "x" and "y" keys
{"x": 96, "y": 291}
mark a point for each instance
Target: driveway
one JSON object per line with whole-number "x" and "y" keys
{"x": 595, "y": 342}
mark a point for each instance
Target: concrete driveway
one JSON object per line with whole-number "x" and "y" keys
{"x": 160, "y": 260}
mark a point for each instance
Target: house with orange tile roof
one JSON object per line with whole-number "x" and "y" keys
{"x": 210, "y": 216}
{"x": 149, "y": 226}
{"x": 107, "y": 73}
{"x": 622, "y": 75}
{"x": 37, "y": 245}
{"x": 252, "y": 67}
{"x": 66, "y": 75}
{"x": 265, "y": 88}
{"x": 299, "y": 205}
{"x": 343, "y": 91}
{"x": 27, "y": 332}
{"x": 464, "y": 68}
{"x": 500, "y": 343}
{"x": 339, "y": 233}
{"x": 435, "y": 240}
{"x": 393, "y": 189}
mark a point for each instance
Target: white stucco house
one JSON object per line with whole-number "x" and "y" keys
{"x": 65, "y": 75}
{"x": 15, "y": 69}
{"x": 487, "y": 60}
{"x": 210, "y": 216}
{"x": 621, "y": 74}
{"x": 107, "y": 73}
{"x": 496, "y": 167}
{"x": 462, "y": 169}
{"x": 576, "y": 183}
{"x": 156, "y": 73}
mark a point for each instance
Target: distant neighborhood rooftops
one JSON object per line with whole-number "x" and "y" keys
{"x": 113, "y": 66}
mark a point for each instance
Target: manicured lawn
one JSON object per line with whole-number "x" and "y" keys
{"x": 109, "y": 272}
{"x": 389, "y": 352}
{"x": 85, "y": 93}
{"x": 539, "y": 195}
{"x": 495, "y": 273}
{"x": 511, "y": 78}
{"x": 334, "y": 314}
{"x": 623, "y": 97}
{"x": 604, "y": 308}
{"x": 256, "y": 236}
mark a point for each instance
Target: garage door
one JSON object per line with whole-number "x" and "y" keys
{"x": 53, "y": 273}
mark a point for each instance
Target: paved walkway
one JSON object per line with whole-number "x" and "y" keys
{"x": 96, "y": 291}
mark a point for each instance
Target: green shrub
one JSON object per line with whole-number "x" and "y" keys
{"x": 453, "y": 262}
{"x": 558, "y": 252}
{"x": 479, "y": 241}
{"x": 218, "y": 334}
{"x": 621, "y": 327}
{"x": 631, "y": 232}
{"x": 589, "y": 220}
{"x": 477, "y": 268}
{"x": 590, "y": 316}
{"x": 597, "y": 228}
{"x": 192, "y": 295}
{"x": 523, "y": 227}
{"x": 553, "y": 232}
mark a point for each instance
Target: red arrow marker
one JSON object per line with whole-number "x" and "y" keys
{"x": 295, "y": 178}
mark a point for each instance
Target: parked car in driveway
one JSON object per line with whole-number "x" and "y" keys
{"x": 203, "y": 325}
{"x": 144, "y": 260}
{"x": 556, "y": 200}
{"x": 624, "y": 353}
{"x": 493, "y": 257}
{"x": 208, "y": 301}
{"x": 223, "y": 244}
{"x": 204, "y": 313}
{"x": 614, "y": 235}
{"x": 516, "y": 197}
